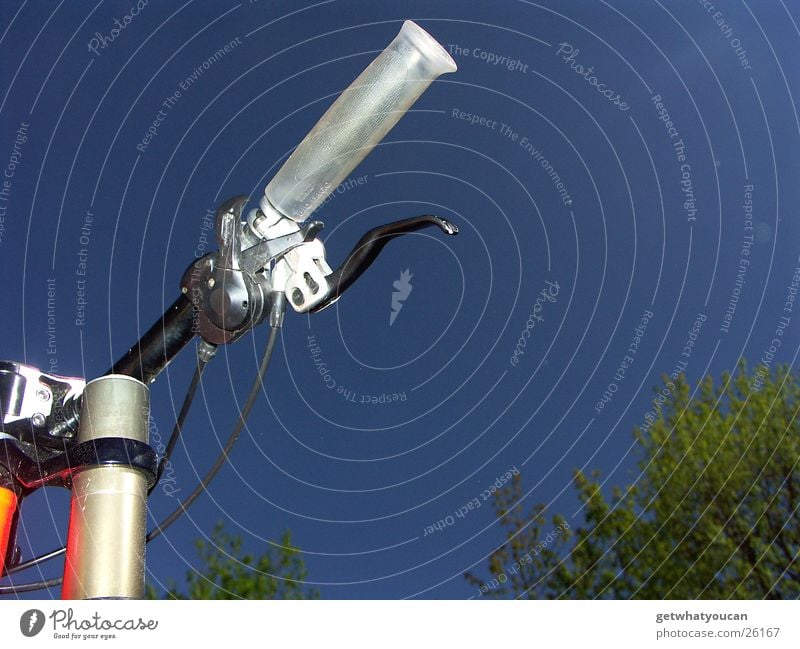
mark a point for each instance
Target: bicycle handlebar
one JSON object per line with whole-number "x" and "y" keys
{"x": 225, "y": 294}
{"x": 162, "y": 342}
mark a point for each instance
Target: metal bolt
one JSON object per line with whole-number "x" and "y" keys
{"x": 211, "y": 282}
{"x": 43, "y": 394}
{"x": 206, "y": 351}
{"x": 38, "y": 419}
{"x": 184, "y": 290}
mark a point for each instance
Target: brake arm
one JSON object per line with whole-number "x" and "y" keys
{"x": 369, "y": 247}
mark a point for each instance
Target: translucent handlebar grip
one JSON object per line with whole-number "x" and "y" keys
{"x": 359, "y": 119}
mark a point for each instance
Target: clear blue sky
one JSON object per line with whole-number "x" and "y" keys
{"x": 637, "y": 161}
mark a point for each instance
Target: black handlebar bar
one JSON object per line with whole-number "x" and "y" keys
{"x": 162, "y": 342}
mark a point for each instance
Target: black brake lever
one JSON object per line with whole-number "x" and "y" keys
{"x": 369, "y": 247}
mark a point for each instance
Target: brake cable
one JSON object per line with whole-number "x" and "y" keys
{"x": 202, "y": 361}
{"x": 159, "y": 529}
{"x": 223, "y": 456}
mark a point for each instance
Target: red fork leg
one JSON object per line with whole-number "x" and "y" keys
{"x": 8, "y": 506}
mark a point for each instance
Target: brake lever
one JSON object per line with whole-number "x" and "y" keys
{"x": 369, "y": 247}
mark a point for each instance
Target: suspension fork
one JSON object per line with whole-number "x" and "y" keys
{"x": 8, "y": 508}
{"x": 106, "y": 538}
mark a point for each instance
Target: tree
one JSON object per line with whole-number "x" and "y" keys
{"x": 713, "y": 512}
{"x": 226, "y": 572}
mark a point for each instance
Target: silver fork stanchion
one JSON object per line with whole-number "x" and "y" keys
{"x": 106, "y": 539}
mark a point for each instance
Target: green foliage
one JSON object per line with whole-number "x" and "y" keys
{"x": 712, "y": 513}
{"x": 226, "y": 572}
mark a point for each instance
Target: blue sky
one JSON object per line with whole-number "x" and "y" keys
{"x": 624, "y": 178}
